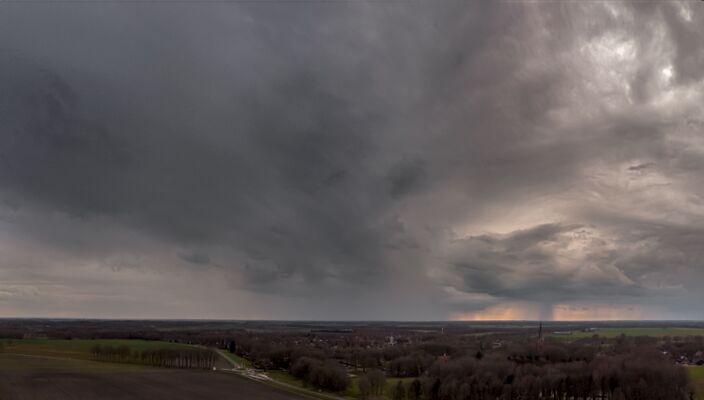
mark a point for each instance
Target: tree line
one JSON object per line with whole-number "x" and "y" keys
{"x": 164, "y": 357}
{"x": 324, "y": 374}
{"x": 642, "y": 374}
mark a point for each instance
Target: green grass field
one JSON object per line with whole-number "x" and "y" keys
{"x": 615, "y": 332}
{"x": 352, "y": 391}
{"x": 697, "y": 376}
{"x": 76, "y": 349}
{"x": 294, "y": 385}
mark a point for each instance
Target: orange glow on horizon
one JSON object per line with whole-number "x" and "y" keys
{"x": 557, "y": 312}
{"x": 500, "y": 312}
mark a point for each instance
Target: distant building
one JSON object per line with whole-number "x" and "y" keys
{"x": 562, "y": 333}
{"x": 403, "y": 340}
{"x": 541, "y": 339}
{"x": 35, "y": 336}
{"x": 698, "y": 357}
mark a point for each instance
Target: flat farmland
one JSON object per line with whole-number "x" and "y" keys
{"x": 79, "y": 348}
{"x": 40, "y": 378}
{"x": 642, "y": 331}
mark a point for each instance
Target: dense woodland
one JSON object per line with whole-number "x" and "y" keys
{"x": 464, "y": 368}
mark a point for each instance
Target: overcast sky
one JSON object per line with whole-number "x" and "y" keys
{"x": 352, "y": 160}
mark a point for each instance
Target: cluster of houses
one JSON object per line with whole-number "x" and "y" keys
{"x": 698, "y": 359}
{"x": 394, "y": 340}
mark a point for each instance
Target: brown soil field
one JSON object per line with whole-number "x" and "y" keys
{"x": 26, "y": 378}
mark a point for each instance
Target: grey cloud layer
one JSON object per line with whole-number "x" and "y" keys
{"x": 450, "y": 156}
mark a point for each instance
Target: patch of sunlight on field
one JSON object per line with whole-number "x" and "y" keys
{"x": 353, "y": 389}
{"x": 697, "y": 376}
{"x": 238, "y": 360}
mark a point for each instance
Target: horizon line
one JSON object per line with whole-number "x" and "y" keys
{"x": 349, "y": 320}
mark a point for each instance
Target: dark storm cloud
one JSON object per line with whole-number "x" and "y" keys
{"x": 196, "y": 257}
{"x": 49, "y": 150}
{"x": 405, "y": 177}
{"x": 286, "y": 178}
{"x": 320, "y": 150}
{"x": 280, "y": 173}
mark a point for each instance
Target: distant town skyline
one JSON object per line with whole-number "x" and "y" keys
{"x": 352, "y": 160}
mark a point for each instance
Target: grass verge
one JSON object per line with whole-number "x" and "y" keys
{"x": 242, "y": 362}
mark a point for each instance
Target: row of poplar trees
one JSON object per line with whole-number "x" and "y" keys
{"x": 164, "y": 357}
